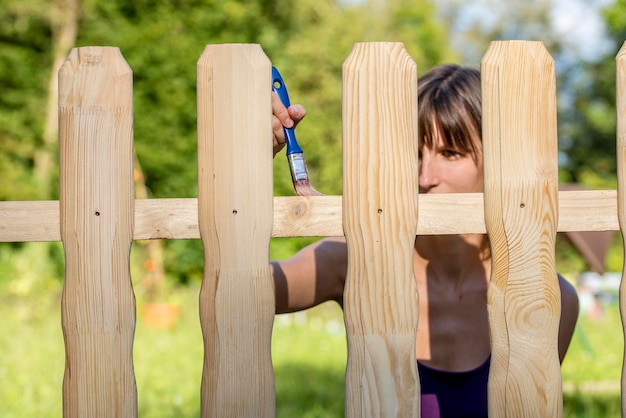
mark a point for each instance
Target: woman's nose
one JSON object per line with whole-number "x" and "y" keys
{"x": 428, "y": 177}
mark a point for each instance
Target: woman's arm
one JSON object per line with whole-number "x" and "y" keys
{"x": 569, "y": 315}
{"x": 314, "y": 275}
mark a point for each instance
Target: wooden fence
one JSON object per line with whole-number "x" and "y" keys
{"x": 380, "y": 212}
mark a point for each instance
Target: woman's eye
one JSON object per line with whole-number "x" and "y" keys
{"x": 448, "y": 153}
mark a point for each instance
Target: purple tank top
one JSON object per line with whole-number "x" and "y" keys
{"x": 454, "y": 394}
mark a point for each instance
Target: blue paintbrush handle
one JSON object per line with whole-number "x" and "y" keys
{"x": 278, "y": 85}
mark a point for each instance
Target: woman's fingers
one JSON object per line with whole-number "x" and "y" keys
{"x": 283, "y": 117}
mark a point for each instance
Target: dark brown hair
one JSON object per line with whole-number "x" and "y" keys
{"x": 449, "y": 105}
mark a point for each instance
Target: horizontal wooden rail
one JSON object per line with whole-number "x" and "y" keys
{"x": 319, "y": 216}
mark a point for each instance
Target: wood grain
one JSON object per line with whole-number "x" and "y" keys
{"x": 96, "y": 227}
{"x": 380, "y": 157}
{"x": 235, "y": 221}
{"x": 620, "y": 96}
{"x": 521, "y": 191}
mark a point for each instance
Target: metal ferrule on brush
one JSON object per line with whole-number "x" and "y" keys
{"x": 297, "y": 166}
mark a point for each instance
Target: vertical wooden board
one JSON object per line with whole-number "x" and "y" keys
{"x": 235, "y": 200}
{"x": 521, "y": 191}
{"x": 380, "y": 184}
{"x": 97, "y": 215}
{"x": 620, "y": 104}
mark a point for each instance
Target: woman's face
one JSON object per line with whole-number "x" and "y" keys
{"x": 448, "y": 170}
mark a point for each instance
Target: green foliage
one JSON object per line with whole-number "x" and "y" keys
{"x": 585, "y": 86}
{"x": 30, "y": 268}
{"x": 184, "y": 260}
{"x": 588, "y": 137}
{"x": 589, "y": 134}
{"x": 25, "y": 63}
{"x": 162, "y": 40}
{"x": 308, "y": 40}
{"x": 311, "y": 59}
{"x": 615, "y": 17}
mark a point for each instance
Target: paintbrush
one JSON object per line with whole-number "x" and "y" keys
{"x": 295, "y": 155}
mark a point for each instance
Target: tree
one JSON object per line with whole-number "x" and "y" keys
{"x": 593, "y": 113}
{"x": 25, "y": 64}
{"x": 32, "y": 33}
{"x": 586, "y": 122}
{"x": 162, "y": 41}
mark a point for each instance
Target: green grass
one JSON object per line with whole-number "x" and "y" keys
{"x": 593, "y": 365}
{"x": 309, "y": 354}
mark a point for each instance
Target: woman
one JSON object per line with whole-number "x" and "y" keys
{"x": 452, "y": 271}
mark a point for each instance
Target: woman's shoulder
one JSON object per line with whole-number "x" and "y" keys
{"x": 569, "y": 296}
{"x": 332, "y": 253}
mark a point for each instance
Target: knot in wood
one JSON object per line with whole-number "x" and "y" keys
{"x": 298, "y": 210}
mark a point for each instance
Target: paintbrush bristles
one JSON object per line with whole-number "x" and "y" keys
{"x": 300, "y": 175}
{"x": 304, "y": 188}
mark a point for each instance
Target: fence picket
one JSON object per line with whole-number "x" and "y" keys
{"x": 96, "y": 211}
{"x": 235, "y": 189}
{"x": 380, "y": 191}
{"x": 521, "y": 190}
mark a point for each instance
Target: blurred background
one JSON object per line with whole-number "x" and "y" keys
{"x": 308, "y": 40}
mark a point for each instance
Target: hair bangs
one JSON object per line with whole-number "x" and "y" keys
{"x": 440, "y": 119}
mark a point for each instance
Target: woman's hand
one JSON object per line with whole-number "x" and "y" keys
{"x": 284, "y": 118}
